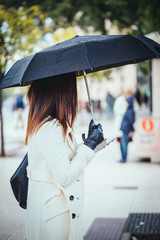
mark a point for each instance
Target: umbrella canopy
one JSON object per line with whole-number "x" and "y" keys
{"x": 90, "y": 53}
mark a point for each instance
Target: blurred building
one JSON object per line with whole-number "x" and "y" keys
{"x": 121, "y": 79}
{"x": 148, "y": 135}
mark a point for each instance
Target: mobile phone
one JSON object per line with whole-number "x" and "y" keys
{"x": 107, "y": 141}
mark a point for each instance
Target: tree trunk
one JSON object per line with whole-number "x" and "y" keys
{"x": 1, "y": 121}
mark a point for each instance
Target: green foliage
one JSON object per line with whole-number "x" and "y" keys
{"x": 138, "y": 16}
{"x": 20, "y": 30}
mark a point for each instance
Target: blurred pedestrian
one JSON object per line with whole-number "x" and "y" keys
{"x": 109, "y": 105}
{"x": 138, "y": 96}
{"x": 19, "y": 107}
{"x": 56, "y": 163}
{"x": 119, "y": 109}
{"x": 127, "y": 128}
{"x": 145, "y": 99}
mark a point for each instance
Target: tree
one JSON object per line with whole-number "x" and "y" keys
{"x": 20, "y": 30}
{"x": 138, "y": 16}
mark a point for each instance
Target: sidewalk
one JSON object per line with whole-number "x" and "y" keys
{"x": 112, "y": 191}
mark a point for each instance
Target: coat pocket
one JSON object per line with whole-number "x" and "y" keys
{"x": 50, "y": 193}
{"x": 53, "y": 206}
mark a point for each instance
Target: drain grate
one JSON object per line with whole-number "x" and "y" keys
{"x": 142, "y": 226}
{"x": 126, "y": 188}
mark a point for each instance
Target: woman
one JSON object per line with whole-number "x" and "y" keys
{"x": 56, "y": 162}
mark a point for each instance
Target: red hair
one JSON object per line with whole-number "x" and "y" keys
{"x": 52, "y": 98}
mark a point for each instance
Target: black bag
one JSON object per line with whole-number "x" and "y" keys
{"x": 19, "y": 183}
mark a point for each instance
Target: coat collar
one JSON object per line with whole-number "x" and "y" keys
{"x": 55, "y": 120}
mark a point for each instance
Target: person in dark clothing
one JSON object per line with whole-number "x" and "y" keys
{"x": 138, "y": 97}
{"x": 145, "y": 99}
{"x": 19, "y": 106}
{"x": 127, "y": 128}
{"x": 19, "y": 101}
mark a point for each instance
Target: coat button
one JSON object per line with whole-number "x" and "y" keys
{"x": 73, "y": 215}
{"x": 71, "y": 197}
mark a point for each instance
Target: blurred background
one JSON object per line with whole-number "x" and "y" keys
{"x": 126, "y": 206}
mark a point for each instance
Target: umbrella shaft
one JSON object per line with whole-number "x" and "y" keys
{"x": 88, "y": 93}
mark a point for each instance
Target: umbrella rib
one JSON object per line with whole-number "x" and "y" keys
{"x": 87, "y": 56}
{"x": 21, "y": 83}
{"x": 147, "y": 45}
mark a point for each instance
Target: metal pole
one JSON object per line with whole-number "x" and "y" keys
{"x": 150, "y": 86}
{"x": 88, "y": 93}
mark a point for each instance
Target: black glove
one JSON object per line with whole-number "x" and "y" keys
{"x": 95, "y": 135}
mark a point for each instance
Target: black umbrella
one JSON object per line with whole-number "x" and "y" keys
{"x": 89, "y": 53}
{"x": 81, "y": 54}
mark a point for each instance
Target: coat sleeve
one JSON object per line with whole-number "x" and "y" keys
{"x": 52, "y": 145}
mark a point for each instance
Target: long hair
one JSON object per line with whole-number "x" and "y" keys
{"x": 52, "y": 98}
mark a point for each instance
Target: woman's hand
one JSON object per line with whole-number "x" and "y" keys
{"x": 95, "y": 135}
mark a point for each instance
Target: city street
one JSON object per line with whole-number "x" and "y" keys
{"x": 112, "y": 190}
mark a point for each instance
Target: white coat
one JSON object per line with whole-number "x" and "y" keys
{"x": 55, "y": 192}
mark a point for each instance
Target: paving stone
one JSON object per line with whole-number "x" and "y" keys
{"x": 105, "y": 229}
